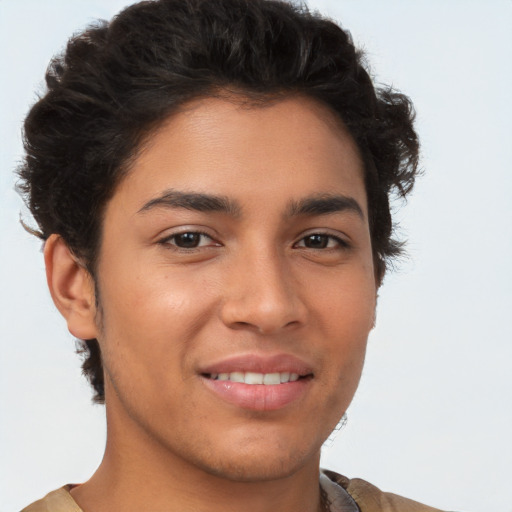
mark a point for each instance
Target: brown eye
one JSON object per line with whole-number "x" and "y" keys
{"x": 316, "y": 241}
{"x": 188, "y": 240}
{"x": 322, "y": 241}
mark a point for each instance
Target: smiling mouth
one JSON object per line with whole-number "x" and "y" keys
{"x": 268, "y": 379}
{"x": 259, "y": 383}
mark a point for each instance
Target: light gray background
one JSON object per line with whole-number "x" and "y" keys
{"x": 433, "y": 415}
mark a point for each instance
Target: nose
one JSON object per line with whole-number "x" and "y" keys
{"x": 262, "y": 295}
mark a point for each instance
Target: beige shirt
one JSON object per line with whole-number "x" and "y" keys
{"x": 344, "y": 495}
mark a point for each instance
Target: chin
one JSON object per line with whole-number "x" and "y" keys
{"x": 262, "y": 465}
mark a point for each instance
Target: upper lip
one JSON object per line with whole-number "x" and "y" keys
{"x": 259, "y": 363}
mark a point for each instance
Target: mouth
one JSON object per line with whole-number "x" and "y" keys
{"x": 258, "y": 382}
{"x": 255, "y": 378}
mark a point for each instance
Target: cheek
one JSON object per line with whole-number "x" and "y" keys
{"x": 344, "y": 316}
{"x": 345, "y": 303}
{"x": 153, "y": 295}
{"x": 154, "y": 319}
{"x": 150, "y": 320}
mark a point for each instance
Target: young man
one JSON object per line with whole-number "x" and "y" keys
{"x": 212, "y": 181}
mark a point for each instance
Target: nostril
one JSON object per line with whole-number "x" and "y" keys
{"x": 264, "y": 305}
{"x": 240, "y": 325}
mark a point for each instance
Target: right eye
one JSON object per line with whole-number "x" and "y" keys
{"x": 189, "y": 240}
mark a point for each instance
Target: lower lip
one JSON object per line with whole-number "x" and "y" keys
{"x": 258, "y": 397}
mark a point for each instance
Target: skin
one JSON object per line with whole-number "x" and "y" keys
{"x": 257, "y": 283}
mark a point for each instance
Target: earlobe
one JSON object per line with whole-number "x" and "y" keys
{"x": 71, "y": 287}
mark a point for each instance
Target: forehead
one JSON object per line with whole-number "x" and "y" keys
{"x": 237, "y": 148}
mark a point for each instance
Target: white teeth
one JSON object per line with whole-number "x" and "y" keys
{"x": 237, "y": 376}
{"x": 269, "y": 379}
{"x": 253, "y": 378}
{"x": 284, "y": 377}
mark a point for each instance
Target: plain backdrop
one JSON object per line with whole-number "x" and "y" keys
{"x": 432, "y": 418}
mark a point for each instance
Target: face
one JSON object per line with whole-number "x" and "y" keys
{"x": 237, "y": 288}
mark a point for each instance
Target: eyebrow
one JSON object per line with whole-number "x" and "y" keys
{"x": 193, "y": 201}
{"x": 324, "y": 205}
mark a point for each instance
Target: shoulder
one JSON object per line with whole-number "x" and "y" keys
{"x": 371, "y": 499}
{"x": 56, "y": 501}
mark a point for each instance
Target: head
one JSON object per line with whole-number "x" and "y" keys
{"x": 120, "y": 83}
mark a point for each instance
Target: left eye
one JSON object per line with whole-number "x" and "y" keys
{"x": 320, "y": 241}
{"x": 189, "y": 240}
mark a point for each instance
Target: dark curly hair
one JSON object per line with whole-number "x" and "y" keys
{"x": 117, "y": 81}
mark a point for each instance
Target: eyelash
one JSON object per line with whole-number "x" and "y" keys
{"x": 168, "y": 241}
{"x": 340, "y": 243}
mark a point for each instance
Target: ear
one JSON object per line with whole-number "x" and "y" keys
{"x": 71, "y": 287}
